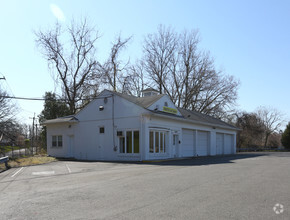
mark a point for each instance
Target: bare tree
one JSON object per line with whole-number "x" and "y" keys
{"x": 74, "y": 63}
{"x": 201, "y": 86}
{"x": 252, "y": 130}
{"x": 274, "y": 140}
{"x": 7, "y": 107}
{"x": 136, "y": 82}
{"x": 10, "y": 129}
{"x": 190, "y": 60}
{"x": 188, "y": 75}
{"x": 272, "y": 120}
{"x": 8, "y": 111}
{"x": 159, "y": 50}
{"x": 113, "y": 66}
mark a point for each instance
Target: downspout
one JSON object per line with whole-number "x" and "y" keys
{"x": 144, "y": 135}
{"x": 113, "y": 123}
{"x": 141, "y": 135}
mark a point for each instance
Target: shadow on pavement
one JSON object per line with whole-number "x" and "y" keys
{"x": 193, "y": 161}
{"x": 202, "y": 161}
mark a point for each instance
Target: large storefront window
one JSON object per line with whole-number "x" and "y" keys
{"x": 157, "y": 141}
{"x": 136, "y": 142}
{"x": 151, "y": 142}
{"x": 129, "y": 143}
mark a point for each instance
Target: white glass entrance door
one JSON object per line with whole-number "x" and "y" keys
{"x": 175, "y": 145}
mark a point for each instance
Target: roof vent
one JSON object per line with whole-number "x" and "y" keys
{"x": 149, "y": 92}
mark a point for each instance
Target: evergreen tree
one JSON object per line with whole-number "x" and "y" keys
{"x": 286, "y": 137}
{"x": 53, "y": 108}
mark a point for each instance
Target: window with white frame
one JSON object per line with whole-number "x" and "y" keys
{"x": 56, "y": 141}
{"x": 129, "y": 143}
{"x": 157, "y": 141}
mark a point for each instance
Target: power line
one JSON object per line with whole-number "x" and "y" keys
{"x": 9, "y": 87}
{"x": 43, "y": 99}
{"x": 2, "y": 77}
{"x": 22, "y": 98}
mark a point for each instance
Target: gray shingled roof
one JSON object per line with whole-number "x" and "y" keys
{"x": 197, "y": 116}
{"x": 144, "y": 102}
{"x": 66, "y": 119}
{"x": 194, "y": 116}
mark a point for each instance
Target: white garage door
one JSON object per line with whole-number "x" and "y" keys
{"x": 219, "y": 143}
{"x": 187, "y": 148}
{"x": 229, "y": 142}
{"x": 202, "y": 143}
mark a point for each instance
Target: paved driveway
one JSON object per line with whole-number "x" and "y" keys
{"x": 244, "y": 186}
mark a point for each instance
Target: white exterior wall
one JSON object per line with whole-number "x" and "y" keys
{"x": 161, "y": 102}
{"x": 106, "y": 146}
{"x": 65, "y": 130}
{"x": 92, "y": 145}
{"x": 89, "y": 144}
{"x": 175, "y": 126}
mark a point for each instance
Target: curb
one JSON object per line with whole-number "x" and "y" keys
{"x": 165, "y": 160}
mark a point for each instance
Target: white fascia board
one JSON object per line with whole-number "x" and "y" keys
{"x": 150, "y": 114}
{"x": 59, "y": 122}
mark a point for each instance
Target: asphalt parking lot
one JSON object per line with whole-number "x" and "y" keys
{"x": 242, "y": 186}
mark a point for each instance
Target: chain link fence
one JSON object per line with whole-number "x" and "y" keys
{"x": 29, "y": 148}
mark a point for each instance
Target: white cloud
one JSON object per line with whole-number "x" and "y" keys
{"x": 57, "y": 12}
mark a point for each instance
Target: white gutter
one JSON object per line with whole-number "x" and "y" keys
{"x": 191, "y": 121}
{"x": 59, "y": 122}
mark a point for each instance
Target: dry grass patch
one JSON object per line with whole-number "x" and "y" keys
{"x": 28, "y": 161}
{"x": 2, "y": 167}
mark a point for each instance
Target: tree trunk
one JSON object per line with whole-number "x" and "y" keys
{"x": 266, "y": 140}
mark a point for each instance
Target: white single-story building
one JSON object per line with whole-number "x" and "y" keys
{"x": 117, "y": 126}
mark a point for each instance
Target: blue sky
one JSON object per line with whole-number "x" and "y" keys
{"x": 248, "y": 39}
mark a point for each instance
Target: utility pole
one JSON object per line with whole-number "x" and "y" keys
{"x": 32, "y": 139}
{"x": 32, "y": 136}
{"x": 2, "y": 77}
{"x": 36, "y": 137}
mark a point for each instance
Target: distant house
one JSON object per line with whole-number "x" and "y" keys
{"x": 117, "y": 126}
